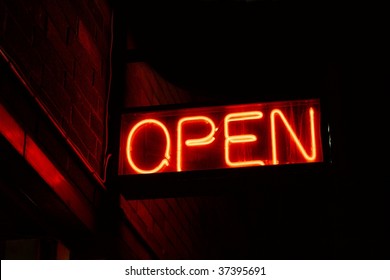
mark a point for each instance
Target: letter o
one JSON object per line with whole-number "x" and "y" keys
{"x": 164, "y": 162}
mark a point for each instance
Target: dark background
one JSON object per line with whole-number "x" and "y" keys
{"x": 256, "y": 47}
{"x": 236, "y": 52}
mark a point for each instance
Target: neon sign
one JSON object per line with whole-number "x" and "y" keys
{"x": 233, "y": 136}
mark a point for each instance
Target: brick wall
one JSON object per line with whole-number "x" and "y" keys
{"x": 145, "y": 87}
{"x": 175, "y": 228}
{"x": 62, "y": 48}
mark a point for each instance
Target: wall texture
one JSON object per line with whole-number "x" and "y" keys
{"x": 62, "y": 48}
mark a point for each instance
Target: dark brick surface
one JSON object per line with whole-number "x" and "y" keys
{"x": 80, "y": 125}
{"x": 62, "y": 48}
{"x": 77, "y": 98}
{"x": 97, "y": 125}
{"x": 56, "y": 14}
{"x": 67, "y": 7}
{"x": 87, "y": 40}
{"x": 22, "y": 17}
{"x": 58, "y": 43}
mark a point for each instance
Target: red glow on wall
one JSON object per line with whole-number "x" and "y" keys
{"x": 271, "y": 133}
{"x": 40, "y": 162}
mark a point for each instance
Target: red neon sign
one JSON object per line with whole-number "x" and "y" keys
{"x": 271, "y": 133}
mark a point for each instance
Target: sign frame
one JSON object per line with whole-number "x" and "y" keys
{"x": 201, "y": 182}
